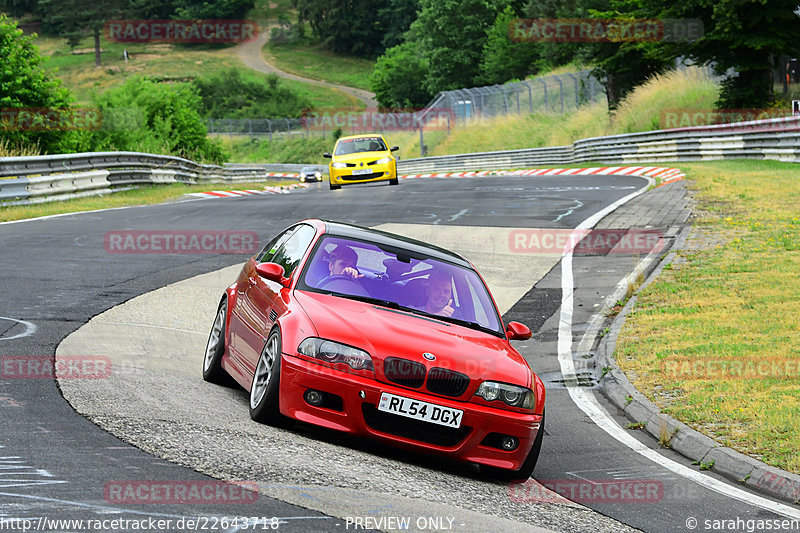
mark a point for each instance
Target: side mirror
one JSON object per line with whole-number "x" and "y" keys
{"x": 518, "y": 332}
{"x": 327, "y": 154}
{"x": 394, "y": 148}
{"x": 273, "y": 272}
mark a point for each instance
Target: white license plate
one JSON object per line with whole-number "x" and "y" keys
{"x": 360, "y": 171}
{"x": 436, "y": 414}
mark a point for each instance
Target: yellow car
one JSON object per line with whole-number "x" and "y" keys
{"x": 361, "y": 159}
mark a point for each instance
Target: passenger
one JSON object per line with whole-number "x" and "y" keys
{"x": 439, "y": 295}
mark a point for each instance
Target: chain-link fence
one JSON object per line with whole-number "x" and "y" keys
{"x": 549, "y": 94}
{"x": 255, "y": 126}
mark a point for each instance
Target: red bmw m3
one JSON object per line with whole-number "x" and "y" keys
{"x": 382, "y": 336}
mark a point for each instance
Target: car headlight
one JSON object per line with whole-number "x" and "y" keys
{"x": 334, "y": 352}
{"x": 383, "y": 160}
{"x": 511, "y": 395}
{"x": 338, "y": 164}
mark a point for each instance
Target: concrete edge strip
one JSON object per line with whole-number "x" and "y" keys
{"x": 588, "y": 403}
{"x": 672, "y": 174}
{"x": 655, "y": 172}
{"x": 679, "y": 437}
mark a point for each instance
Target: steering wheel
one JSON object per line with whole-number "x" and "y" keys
{"x": 346, "y": 284}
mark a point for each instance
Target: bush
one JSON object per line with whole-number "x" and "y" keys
{"x": 145, "y": 116}
{"x": 230, "y": 95}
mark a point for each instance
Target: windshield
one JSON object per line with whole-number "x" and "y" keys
{"x": 402, "y": 280}
{"x": 362, "y": 144}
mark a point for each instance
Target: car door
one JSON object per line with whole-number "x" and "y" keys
{"x": 262, "y": 303}
{"x": 243, "y": 334}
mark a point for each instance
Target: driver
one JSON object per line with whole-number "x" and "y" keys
{"x": 343, "y": 261}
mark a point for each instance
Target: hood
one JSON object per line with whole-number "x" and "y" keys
{"x": 361, "y": 156}
{"x": 385, "y": 333}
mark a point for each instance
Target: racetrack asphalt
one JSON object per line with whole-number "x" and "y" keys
{"x": 164, "y": 408}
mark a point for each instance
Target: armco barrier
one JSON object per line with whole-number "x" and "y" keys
{"x": 13, "y": 189}
{"x": 55, "y": 177}
{"x": 777, "y": 139}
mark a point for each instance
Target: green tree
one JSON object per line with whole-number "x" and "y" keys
{"x": 75, "y": 19}
{"x": 362, "y": 28}
{"x": 395, "y": 18}
{"x": 212, "y": 9}
{"x": 26, "y": 86}
{"x": 344, "y": 26}
{"x": 146, "y": 116}
{"x": 746, "y": 36}
{"x": 17, "y": 8}
{"x": 504, "y": 59}
{"x": 623, "y": 66}
{"x": 398, "y": 75}
{"x": 452, "y": 35}
{"x": 620, "y": 66}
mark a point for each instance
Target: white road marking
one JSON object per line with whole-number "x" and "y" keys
{"x": 587, "y": 402}
{"x": 30, "y": 328}
{"x": 568, "y": 212}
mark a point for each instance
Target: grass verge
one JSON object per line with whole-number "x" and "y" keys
{"x": 144, "y": 195}
{"x": 715, "y": 340}
{"x": 317, "y": 63}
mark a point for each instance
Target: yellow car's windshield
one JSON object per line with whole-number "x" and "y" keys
{"x": 361, "y": 144}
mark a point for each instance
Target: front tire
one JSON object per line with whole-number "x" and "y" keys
{"x": 394, "y": 182}
{"x": 264, "y": 401}
{"x": 334, "y": 187}
{"x": 215, "y": 348}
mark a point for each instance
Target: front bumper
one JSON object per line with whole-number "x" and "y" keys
{"x": 360, "y": 416}
{"x": 341, "y": 176}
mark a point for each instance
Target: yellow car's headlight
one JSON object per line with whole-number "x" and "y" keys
{"x": 383, "y": 160}
{"x": 338, "y": 164}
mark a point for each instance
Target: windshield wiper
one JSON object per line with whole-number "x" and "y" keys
{"x": 371, "y": 300}
{"x": 457, "y": 321}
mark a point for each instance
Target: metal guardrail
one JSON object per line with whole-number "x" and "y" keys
{"x": 58, "y": 177}
{"x": 777, "y": 139}
{"x": 30, "y": 179}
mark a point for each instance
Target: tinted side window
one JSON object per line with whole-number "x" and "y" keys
{"x": 265, "y": 255}
{"x": 291, "y": 252}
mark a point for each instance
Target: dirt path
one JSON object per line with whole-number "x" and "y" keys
{"x": 250, "y": 54}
